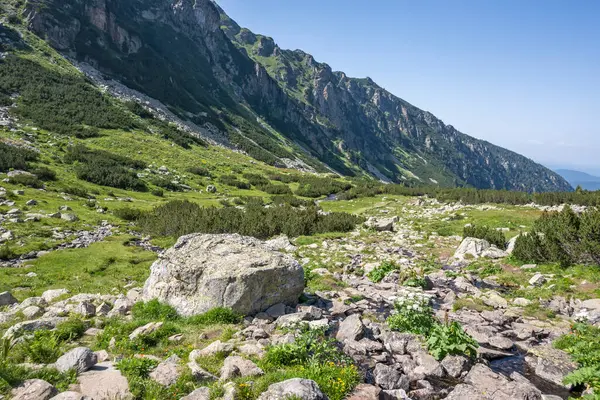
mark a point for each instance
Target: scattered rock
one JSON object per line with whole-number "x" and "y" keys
{"x": 167, "y": 372}
{"x": 550, "y": 364}
{"x": 70, "y": 396}
{"x": 69, "y": 217}
{"x": 104, "y": 382}
{"x": 365, "y": 392}
{"x": 455, "y": 365}
{"x": 381, "y": 224}
{"x": 202, "y": 393}
{"x": 212, "y": 349}
{"x": 352, "y": 328}
{"x": 145, "y": 330}
{"x": 34, "y": 389}
{"x": 303, "y": 389}
{"x": 537, "y": 280}
{"x": 79, "y": 359}
{"x": 477, "y": 248}
{"x": 7, "y": 299}
{"x": 388, "y": 377}
{"x": 244, "y": 366}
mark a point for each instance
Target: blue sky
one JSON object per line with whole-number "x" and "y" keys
{"x": 523, "y": 74}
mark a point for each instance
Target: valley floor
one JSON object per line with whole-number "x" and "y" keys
{"x": 513, "y": 312}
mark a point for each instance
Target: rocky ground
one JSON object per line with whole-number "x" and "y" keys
{"x": 515, "y": 358}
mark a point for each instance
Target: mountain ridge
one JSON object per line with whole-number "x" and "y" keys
{"x": 579, "y": 178}
{"x": 274, "y": 104}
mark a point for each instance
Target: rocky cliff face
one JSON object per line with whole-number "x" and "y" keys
{"x": 275, "y": 104}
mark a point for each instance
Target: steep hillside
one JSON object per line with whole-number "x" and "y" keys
{"x": 279, "y": 106}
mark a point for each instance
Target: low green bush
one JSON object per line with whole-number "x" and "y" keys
{"x": 165, "y": 183}
{"x": 232, "y": 180}
{"x": 26, "y": 180}
{"x": 75, "y": 191}
{"x": 564, "y": 237}
{"x": 154, "y": 310}
{"x": 13, "y": 157}
{"x": 6, "y": 253}
{"x": 200, "y": 171}
{"x": 311, "y": 356}
{"x": 256, "y": 179}
{"x": 105, "y": 168}
{"x": 44, "y": 173}
{"x": 158, "y": 192}
{"x": 72, "y": 329}
{"x": 275, "y": 189}
{"x": 485, "y": 232}
{"x": 292, "y": 201}
{"x": 218, "y": 315}
{"x": 310, "y": 186}
{"x": 128, "y": 213}
{"x": 178, "y": 218}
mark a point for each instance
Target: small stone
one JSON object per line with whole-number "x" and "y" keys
{"x": 303, "y": 389}
{"x": 34, "y": 389}
{"x": 145, "y": 330}
{"x": 86, "y": 309}
{"x": 32, "y": 312}
{"x": 69, "y": 217}
{"x": 167, "y": 372}
{"x": 79, "y": 359}
{"x": 276, "y": 310}
{"x": 102, "y": 309}
{"x": 212, "y": 349}
{"x": 455, "y": 365}
{"x": 537, "y": 280}
{"x": 529, "y": 266}
{"x": 31, "y": 202}
{"x": 7, "y": 299}
{"x": 352, "y": 328}
{"x": 521, "y": 302}
{"x": 202, "y": 393}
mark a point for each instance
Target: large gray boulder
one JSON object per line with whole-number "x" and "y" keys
{"x": 206, "y": 271}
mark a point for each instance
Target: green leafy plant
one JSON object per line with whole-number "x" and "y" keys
{"x": 414, "y": 314}
{"x": 43, "y": 348}
{"x": 583, "y": 344}
{"x": 136, "y": 367}
{"x": 450, "y": 339}
{"x": 380, "y": 272}
{"x": 311, "y": 346}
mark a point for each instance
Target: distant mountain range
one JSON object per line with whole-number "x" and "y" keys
{"x": 578, "y": 178}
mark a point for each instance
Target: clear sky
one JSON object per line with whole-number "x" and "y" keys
{"x": 523, "y": 74}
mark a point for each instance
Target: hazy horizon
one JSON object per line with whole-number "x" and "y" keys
{"x": 522, "y": 75}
